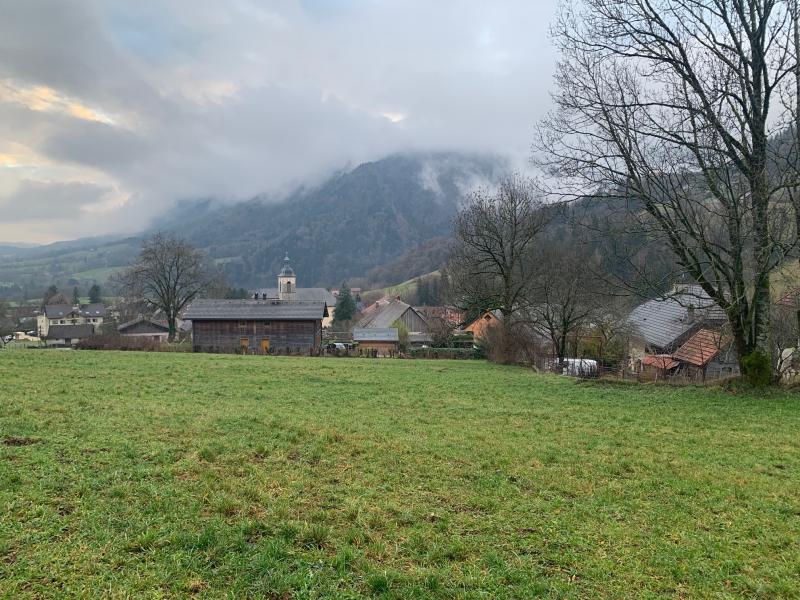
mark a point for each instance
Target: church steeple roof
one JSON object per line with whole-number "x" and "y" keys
{"x": 287, "y": 270}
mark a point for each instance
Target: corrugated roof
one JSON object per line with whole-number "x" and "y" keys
{"x": 73, "y": 332}
{"x": 372, "y": 334}
{"x": 663, "y": 320}
{"x": 699, "y": 349}
{"x": 223, "y": 310}
{"x": 387, "y": 316}
{"x": 301, "y": 295}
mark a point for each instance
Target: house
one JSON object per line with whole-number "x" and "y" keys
{"x": 447, "y": 314}
{"x": 256, "y": 326}
{"x": 68, "y": 335}
{"x": 288, "y": 291}
{"x": 145, "y": 328}
{"x": 67, "y": 314}
{"x": 662, "y": 325}
{"x": 706, "y": 355}
{"x": 480, "y": 327}
{"x": 384, "y": 341}
{"x": 384, "y": 314}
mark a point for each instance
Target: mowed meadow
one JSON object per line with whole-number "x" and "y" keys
{"x": 171, "y": 475}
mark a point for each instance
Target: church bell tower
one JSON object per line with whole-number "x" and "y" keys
{"x": 287, "y": 281}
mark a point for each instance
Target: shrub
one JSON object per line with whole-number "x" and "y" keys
{"x": 757, "y": 369}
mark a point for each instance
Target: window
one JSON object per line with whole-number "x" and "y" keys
{"x": 242, "y": 326}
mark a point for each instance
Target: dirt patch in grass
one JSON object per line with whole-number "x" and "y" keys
{"x": 20, "y": 441}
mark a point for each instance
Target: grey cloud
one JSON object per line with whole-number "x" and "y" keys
{"x": 232, "y": 99}
{"x": 47, "y": 201}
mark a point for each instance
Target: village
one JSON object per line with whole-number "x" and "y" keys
{"x": 321, "y": 299}
{"x": 679, "y": 337}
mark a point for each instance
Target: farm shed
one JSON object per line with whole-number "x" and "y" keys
{"x": 383, "y": 341}
{"x": 69, "y": 334}
{"x": 145, "y": 328}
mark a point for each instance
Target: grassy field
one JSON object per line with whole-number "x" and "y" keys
{"x": 164, "y": 475}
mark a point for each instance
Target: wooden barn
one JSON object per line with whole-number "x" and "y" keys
{"x": 256, "y": 326}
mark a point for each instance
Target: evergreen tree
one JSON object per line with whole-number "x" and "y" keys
{"x": 345, "y": 305}
{"x": 95, "y": 294}
{"x": 76, "y": 295}
{"x": 48, "y": 295}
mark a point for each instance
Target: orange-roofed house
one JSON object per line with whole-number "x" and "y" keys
{"x": 707, "y": 355}
{"x": 480, "y": 327}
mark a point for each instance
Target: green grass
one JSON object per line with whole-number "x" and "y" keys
{"x": 170, "y": 475}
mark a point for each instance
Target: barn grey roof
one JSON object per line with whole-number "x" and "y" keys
{"x": 386, "y": 316}
{"x": 222, "y": 310}
{"x": 73, "y": 332}
{"x": 663, "y": 320}
{"x": 162, "y": 325}
{"x": 301, "y": 295}
{"x": 59, "y": 311}
{"x": 369, "y": 334}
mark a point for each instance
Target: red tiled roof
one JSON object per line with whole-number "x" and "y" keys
{"x": 699, "y": 349}
{"x": 660, "y": 361}
{"x": 790, "y": 298}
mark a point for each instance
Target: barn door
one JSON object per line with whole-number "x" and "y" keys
{"x": 244, "y": 343}
{"x": 265, "y": 345}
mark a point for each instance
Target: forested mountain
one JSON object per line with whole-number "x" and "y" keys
{"x": 381, "y": 221}
{"x": 352, "y": 223}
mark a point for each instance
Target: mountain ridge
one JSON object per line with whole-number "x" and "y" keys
{"x": 351, "y": 225}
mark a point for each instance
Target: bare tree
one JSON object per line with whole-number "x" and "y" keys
{"x": 492, "y": 264}
{"x": 669, "y": 106}
{"x": 563, "y": 296}
{"x": 168, "y": 274}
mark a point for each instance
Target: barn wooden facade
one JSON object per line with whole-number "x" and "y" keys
{"x": 381, "y": 342}
{"x": 256, "y": 326}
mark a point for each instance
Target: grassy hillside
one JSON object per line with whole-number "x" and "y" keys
{"x": 150, "y": 475}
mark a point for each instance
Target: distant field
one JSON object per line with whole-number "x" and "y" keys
{"x": 101, "y": 274}
{"x": 153, "y": 475}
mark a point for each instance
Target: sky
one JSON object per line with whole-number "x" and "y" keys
{"x": 111, "y": 110}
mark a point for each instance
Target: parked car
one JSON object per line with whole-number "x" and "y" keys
{"x": 337, "y": 346}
